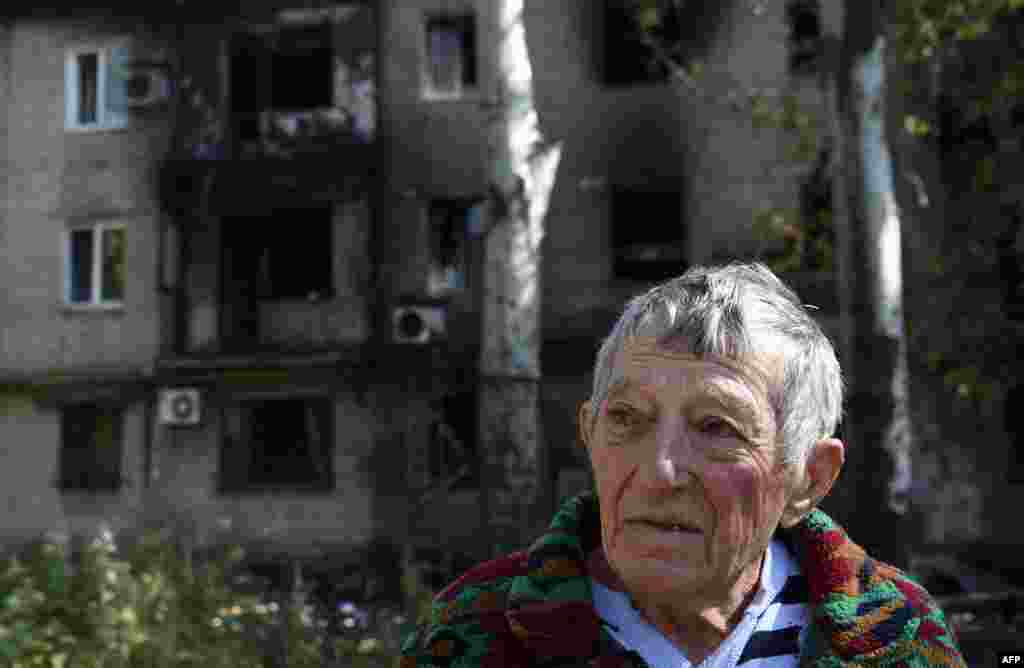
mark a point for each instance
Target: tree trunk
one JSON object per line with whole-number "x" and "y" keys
{"x": 877, "y": 428}
{"x": 521, "y": 176}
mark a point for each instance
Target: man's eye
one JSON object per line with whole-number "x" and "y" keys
{"x": 718, "y": 427}
{"x": 623, "y": 417}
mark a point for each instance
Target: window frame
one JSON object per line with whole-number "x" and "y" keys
{"x": 428, "y": 91}
{"x": 105, "y": 121}
{"x": 623, "y": 268}
{"x": 96, "y": 301}
{"x": 625, "y": 75}
{"x": 239, "y": 482}
{"x": 435, "y": 208}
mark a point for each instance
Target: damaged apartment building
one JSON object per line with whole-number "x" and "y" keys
{"x": 242, "y": 251}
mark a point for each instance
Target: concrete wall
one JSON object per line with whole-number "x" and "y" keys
{"x": 57, "y": 179}
{"x": 186, "y": 470}
{"x": 32, "y": 504}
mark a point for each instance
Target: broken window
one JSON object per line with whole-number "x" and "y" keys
{"x": 448, "y": 219}
{"x": 90, "y": 448}
{"x": 626, "y": 56}
{"x": 288, "y": 256}
{"x": 278, "y": 443}
{"x": 450, "y": 54}
{"x": 452, "y": 450}
{"x": 288, "y": 70}
{"x": 647, "y": 234}
{"x": 805, "y": 42}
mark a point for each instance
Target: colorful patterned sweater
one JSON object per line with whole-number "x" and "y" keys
{"x": 534, "y": 607}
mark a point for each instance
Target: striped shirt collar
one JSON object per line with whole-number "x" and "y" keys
{"x": 634, "y": 633}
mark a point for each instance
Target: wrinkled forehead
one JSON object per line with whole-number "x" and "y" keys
{"x": 761, "y": 372}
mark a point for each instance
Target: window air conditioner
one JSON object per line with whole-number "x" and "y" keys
{"x": 179, "y": 407}
{"x": 146, "y": 85}
{"x": 418, "y": 324}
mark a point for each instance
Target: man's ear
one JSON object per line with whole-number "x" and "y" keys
{"x": 584, "y": 417}
{"x": 824, "y": 462}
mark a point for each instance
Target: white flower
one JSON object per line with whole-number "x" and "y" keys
{"x": 349, "y": 623}
{"x": 272, "y": 607}
{"x": 367, "y": 646}
{"x": 216, "y": 622}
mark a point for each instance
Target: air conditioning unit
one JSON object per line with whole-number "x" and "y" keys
{"x": 418, "y": 324}
{"x": 146, "y": 84}
{"x": 180, "y": 407}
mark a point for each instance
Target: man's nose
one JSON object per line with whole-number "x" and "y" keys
{"x": 674, "y": 458}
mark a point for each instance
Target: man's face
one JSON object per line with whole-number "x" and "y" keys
{"x": 691, "y": 442}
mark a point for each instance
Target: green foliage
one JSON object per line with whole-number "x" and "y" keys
{"x": 924, "y": 34}
{"x": 923, "y": 28}
{"x": 150, "y": 608}
{"x": 917, "y": 126}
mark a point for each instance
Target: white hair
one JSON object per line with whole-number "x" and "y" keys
{"x": 736, "y": 311}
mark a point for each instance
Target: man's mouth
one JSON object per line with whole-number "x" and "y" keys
{"x": 668, "y": 526}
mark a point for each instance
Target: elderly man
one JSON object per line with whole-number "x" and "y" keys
{"x": 709, "y": 433}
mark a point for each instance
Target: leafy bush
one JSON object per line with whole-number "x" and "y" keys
{"x": 98, "y": 608}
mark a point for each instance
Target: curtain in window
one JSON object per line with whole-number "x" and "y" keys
{"x": 118, "y": 75}
{"x": 445, "y": 50}
{"x": 112, "y": 259}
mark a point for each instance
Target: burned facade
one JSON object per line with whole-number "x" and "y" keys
{"x": 242, "y": 277}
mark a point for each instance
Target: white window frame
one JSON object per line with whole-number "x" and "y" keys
{"x": 104, "y": 120}
{"x": 428, "y": 91}
{"x": 96, "y": 300}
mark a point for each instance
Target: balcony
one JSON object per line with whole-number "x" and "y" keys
{"x": 297, "y": 120}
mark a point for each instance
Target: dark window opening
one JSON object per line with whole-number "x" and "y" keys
{"x": 451, "y": 53}
{"x": 451, "y": 453}
{"x": 291, "y": 69}
{"x": 81, "y": 258}
{"x": 805, "y": 41}
{"x": 647, "y": 234}
{"x": 626, "y": 56}
{"x": 286, "y": 256}
{"x": 448, "y": 220}
{"x": 91, "y": 445}
{"x": 278, "y": 443}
